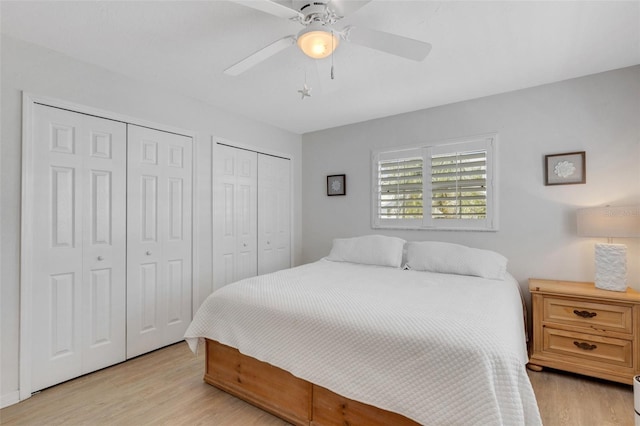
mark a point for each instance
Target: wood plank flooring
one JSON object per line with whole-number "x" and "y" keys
{"x": 165, "y": 387}
{"x": 566, "y": 399}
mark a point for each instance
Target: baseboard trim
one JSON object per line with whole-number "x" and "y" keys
{"x": 9, "y": 399}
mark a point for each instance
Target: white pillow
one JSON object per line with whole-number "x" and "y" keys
{"x": 449, "y": 258}
{"x": 369, "y": 250}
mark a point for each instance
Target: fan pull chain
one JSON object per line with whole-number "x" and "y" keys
{"x": 333, "y": 52}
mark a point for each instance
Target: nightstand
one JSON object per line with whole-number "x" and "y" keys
{"x": 580, "y": 328}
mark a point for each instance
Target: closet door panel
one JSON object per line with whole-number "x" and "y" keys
{"x": 244, "y": 210}
{"x": 224, "y": 219}
{"x": 144, "y": 249}
{"x": 104, "y": 243}
{"x": 77, "y": 302}
{"x": 159, "y": 239}
{"x": 177, "y": 237}
{"x": 234, "y": 219}
{"x": 274, "y": 214}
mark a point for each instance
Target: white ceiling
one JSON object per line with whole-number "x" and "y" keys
{"x": 479, "y": 48}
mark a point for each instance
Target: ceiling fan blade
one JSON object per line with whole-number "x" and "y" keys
{"x": 343, "y": 8}
{"x": 387, "y": 42}
{"x": 271, "y": 8}
{"x": 346, "y": 7}
{"x": 260, "y": 55}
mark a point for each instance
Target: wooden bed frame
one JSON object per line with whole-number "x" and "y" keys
{"x": 286, "y": 396}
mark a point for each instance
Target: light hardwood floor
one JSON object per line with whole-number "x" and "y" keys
{"x": 137, "y": 393}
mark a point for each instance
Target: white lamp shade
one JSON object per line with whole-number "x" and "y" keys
{"x": 609, "y": 222}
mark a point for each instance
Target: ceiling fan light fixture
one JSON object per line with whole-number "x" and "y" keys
{"x": 317, "y": 41}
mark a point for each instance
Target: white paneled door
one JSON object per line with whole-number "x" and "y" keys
{"x": 252, "y": 214}
{"x": 158, "y": 238}
{"x": 234, "y": 214}
{"x": 274, "y": 214}
{"x": 79, "y": 244}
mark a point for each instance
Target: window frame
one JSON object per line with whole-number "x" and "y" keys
{"x": 488, "y": 142}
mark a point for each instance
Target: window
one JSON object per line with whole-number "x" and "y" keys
{"x": 447, "y": 185}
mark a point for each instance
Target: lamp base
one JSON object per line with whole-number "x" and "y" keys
{"x": 611, "y": 267}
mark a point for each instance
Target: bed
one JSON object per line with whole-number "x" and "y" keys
{"x": 356, "y": 339}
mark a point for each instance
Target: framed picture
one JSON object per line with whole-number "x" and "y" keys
{"x": 565, "y": 169}
{"x": 336, "y": 185}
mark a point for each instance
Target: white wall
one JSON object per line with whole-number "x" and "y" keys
{"x": 26, "y": 67}
{"x": 599, "y": 114}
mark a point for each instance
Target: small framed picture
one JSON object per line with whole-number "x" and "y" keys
{"x": 336, "y": 185}
{"x": 565, "y": 169}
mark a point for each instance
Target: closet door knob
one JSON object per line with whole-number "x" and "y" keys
{"x": 100, "y": 258}
{"x": 148, "y": 253}
{"x": 244, "y": 244}
{"x": 268, "y": 242}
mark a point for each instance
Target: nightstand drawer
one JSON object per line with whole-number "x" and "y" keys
{"x": 596, "y": 316}
{"x": 588, "y": 347}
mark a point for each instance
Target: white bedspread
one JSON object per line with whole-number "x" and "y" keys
{"x": 440, "y": 349}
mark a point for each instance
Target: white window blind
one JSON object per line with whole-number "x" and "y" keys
{"x": 400, "y": 188}
{"x": 459, "y": 185}
{"x": 448, "y": 185}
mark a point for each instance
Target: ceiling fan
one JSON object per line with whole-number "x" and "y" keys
{"x": 318, "y": 39}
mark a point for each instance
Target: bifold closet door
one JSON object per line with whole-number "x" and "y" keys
{"x": 274, "y": 214}
{"x": 234, "y": 214}
{"x": 158, "y": 238}
{"x": 78, "y": 236}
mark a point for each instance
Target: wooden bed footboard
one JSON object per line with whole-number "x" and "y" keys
{"x": 286, "y": 396}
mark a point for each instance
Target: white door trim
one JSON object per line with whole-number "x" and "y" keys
{"x": 26, "y": 261}
{"x": 248, "y": 147}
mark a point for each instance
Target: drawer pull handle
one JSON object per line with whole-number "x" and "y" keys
{"x": 585, "y": 346}
{"x": 584, "y": 314}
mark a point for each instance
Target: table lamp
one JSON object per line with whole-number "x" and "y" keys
{"x": 611, "y": 259}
